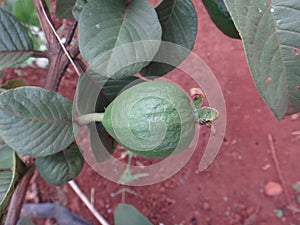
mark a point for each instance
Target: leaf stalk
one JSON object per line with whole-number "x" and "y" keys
{"x": 90, "y": 118}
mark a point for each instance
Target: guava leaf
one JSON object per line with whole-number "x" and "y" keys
{"x": 78, "y": 8}
{"x": 6, "y": 155}
{"x": 15, "y": 43}
{"x": 118, "y": 40}
{"x": 14, "y": 83}
{"x": 25, "y": 221}
{"x": 35, "y": 121}
{"x": 64, "y": 8}
{"x": 270, "y": 30}
{"x": 8, "y": 6}
{"x": 179, "y": 23}
{"x": 61, "y": 167}
{"x": 25, "y": 11}
{"x": 128, "y": 215}
{"x": 8, "y": 180}
{"x": 92, "y": 84}
{"x": 5, "y": 182}
{"x": 220, "y": 16}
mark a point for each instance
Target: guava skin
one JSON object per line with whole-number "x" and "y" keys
{"x": 153, "y": 119}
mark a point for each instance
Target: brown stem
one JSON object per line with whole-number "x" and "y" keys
{"x": 80, "y": 65}
{"x": 44, "y": 17}
{"x": 18, "y": 198}
{"x": 57, "y": 59}
{"x": 62, "y": 66}
{"x": 54, "y": 50}
{"x": 71, "y": 32}
{"x": 40, "y": 54}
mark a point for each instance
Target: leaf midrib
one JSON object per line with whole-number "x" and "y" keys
{"x": 38, "y": 119}
{"x": 171, "y": 13}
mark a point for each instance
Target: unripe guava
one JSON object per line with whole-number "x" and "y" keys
{"x": 153, "y": 119}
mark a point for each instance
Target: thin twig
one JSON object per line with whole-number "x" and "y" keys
{"x": 71, "y": 32}
{"x": 45, "y": 21}
{"x": 18, "y": 198}
{"x": 80, "y": 65}
{"x": 58, "y": 39}
{"x": 278, "y": 170}
{"x": 86, "y": 201}
{"x": 93, "y": 196}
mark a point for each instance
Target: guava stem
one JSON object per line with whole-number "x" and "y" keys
{"x": 90, "y": 118}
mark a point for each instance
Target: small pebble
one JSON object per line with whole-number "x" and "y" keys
{"x": 273, "y": 189}
{"x": 294, "y": 116}
{"x": 206, "y": 206}
{"x": 266, "y": 167}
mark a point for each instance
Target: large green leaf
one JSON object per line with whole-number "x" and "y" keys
{"x": 8, "y": 180}
{"x": 117, "y": 39}
{"x": 270, "y": 30}
{"x": 35, "y": 121}
{"x": 128, "y": 215}
{"x": 61, "y": 167}
{"x": 179, "y": 23}
{"x": 79, "y": 4}
{"x": 64, "y": 8}
{"x": 220, "y": 16}
{"x": 15, "y": 43}
{"x": 6, "y": 155}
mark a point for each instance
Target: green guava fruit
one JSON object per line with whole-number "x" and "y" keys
{"x": 153, "y": 119}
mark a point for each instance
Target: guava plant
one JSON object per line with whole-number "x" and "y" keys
{"x": 115, "y": 40}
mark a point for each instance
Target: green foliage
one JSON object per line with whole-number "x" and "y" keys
{"x": 6, "y": 155}
{"x": 128, "y": 215}
{"x": 14, "y": 83}
{"x": 179, "y": 22}
{"x": 78, "y": 8}
{"x": 220, "y": 16}
{"x": 24, "y": 10}
{"x": 127, "y": 176}
{"x": 64, "y": 8}
{"x": 15, "y": 43}
{"x": 8, "y": 180}
{"x": 270, "y": 30}
{"x": 36, "y": 122}
{"x": 107, "y": 89}
{"x": 206, "y": 114}
{"x": 117, "y": 40}
{"x": 59, "y": 168}
{"x": 5, "y": 179}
